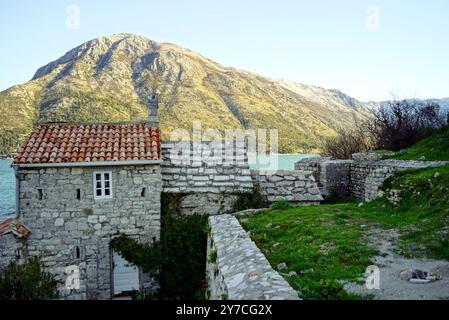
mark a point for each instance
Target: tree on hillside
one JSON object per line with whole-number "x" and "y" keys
{"x": 400, "y": 124}
{"x": 395, "y": 125}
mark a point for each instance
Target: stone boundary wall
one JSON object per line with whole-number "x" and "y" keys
{"x": 294, "y": 186}
{"x": 329, "y": 175}
{"x": 207, "y": 179}
{"x": 361, "y": 178}
{"x": 236, "y": 269}
{"x": 205, "y": 169}
{"x": 368, "y": 176}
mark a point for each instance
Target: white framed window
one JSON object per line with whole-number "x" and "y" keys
{"x": 102, "y": 185}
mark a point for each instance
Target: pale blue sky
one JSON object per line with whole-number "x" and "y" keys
{"x": 326, "y": 43}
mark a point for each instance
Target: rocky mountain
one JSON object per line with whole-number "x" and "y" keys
{"x": 108, "y": 78}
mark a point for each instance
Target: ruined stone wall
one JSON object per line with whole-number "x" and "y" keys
{"x": 70, "y": 231}
{"x": 208, "y": 178}
{"x": 366, "y": 177}
{"x": 294, "y": 186}
{"x": 330, "y": 176}
{"x": 236, "y": 269}
{"x": 360, "y": 178}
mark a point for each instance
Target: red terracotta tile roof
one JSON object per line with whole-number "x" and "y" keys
{"x": 5, "y": 226}
{"x": 15, "y": 226}
{"x": 82, "y": 142}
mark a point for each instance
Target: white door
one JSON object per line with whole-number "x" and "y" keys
{"x": 126, "y": 276}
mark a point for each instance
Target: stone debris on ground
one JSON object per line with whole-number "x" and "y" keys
{"x": 419, "y": 276}
{"x": 399, "y": 276}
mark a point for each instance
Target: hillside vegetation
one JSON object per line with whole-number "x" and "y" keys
{"x": 109, "y": 78}
{"x": 434, "y": 147}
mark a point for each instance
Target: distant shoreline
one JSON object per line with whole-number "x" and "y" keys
{"x": 6, "y": 156}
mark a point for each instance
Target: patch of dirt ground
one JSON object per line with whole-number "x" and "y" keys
{"x": 391, "y": 264}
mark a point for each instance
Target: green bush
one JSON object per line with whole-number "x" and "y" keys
{"x": 213, "y": 256}
{"x": 27, "y": 281}
{"x": 327, "y": 289}
{"x": 253, "y": 200}
{"x": 281, "y": 204}
{"x": 178, "y": 259}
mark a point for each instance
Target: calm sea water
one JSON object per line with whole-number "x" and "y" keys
{"x": 280, "y": 161}
{"x": 7, "y": 189}
{"x": 8, "y": 182}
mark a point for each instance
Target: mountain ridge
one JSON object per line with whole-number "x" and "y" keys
{"x": 108, "y": 78}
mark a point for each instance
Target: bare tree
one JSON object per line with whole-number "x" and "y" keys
{"x": 400, "y": 124}
{"x": 395, "y": 125}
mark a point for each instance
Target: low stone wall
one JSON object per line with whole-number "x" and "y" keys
{"x": 203, "y": 169}
{"x": 205, "y": 176}
{"x": 207, "y": 203}
{"x": 368, "y": 176}
{"x": 329, "y": 175}
{"x": 360, "y": 178}
{"x": 236, "y": 269}
{"x": 294, "y": 186}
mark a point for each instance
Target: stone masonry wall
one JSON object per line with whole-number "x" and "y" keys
{"x": 368, "y": 176}
{"x": 11, "y": 249}
{"x": 199, "y": 172}
{"x": 236, "y": 269}
{"x": 291, "y": 185}
{"x": 67, "y": 231}
{"x": 208, "y": 178}
{"x": 361, "y": 178}
{"x": 330, "y": 176}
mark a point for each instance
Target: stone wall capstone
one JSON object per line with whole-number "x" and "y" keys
{"x": 236, "y": 269}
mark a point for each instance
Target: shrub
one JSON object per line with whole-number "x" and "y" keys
{"x": 282, "y": 204}
{"x": 27, "y": 281}
{"x": 393, "y": 126}
{"x": 330, "y": 290}
{"x": 346, "y": 143}
{"x": 213, "y": 256}
{"x": 400, "y": 124}
{"x": 253, "y": 200}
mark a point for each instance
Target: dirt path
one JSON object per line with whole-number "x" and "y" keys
{"x": 391, "y": 264}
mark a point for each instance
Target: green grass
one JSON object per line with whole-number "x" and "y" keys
{"x": 318, "y": 242}
{"x": 434, "y": 147}
{"x": 422, "y": 215}
{"x": 324, "y": 244}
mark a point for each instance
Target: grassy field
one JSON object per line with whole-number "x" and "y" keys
{"x": 317, "y": 243}
{"x": 325, "y": 244}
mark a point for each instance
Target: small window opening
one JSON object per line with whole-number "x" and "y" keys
{"x": 78, "y": 194}
{"x": 78, "y": 255}
{"x": 142, "y": 194}
{"x": 18, "y": 254}
{"x": 102, "y": 185}
{"x": 40, "y": 195}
